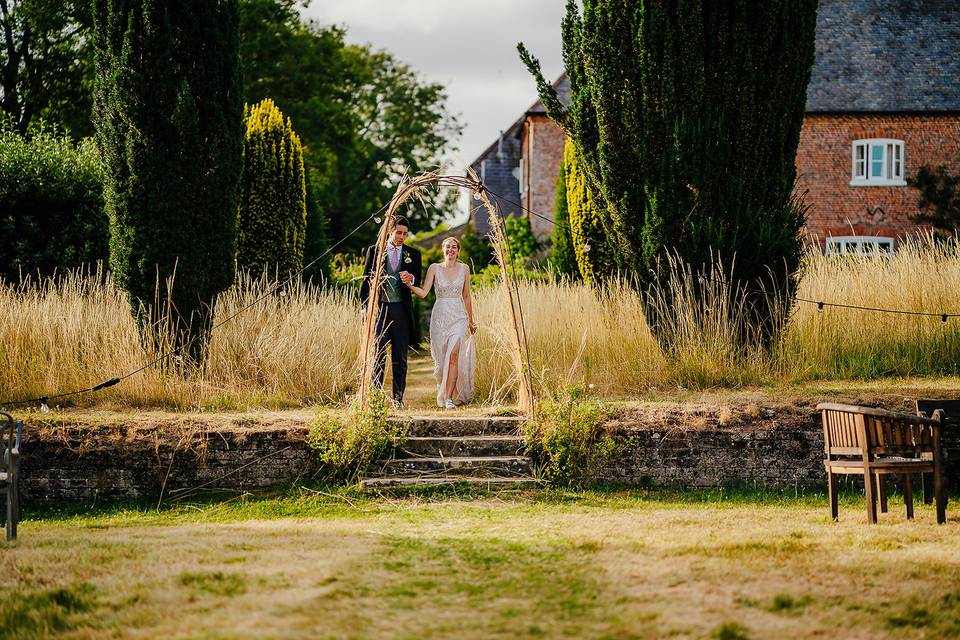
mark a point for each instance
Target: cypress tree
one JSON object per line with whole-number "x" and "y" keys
{"x": 168, "y": 111}
{"x": 591, "y": 249}
{"x": 562, "y": 257}
{"x": 686, "y": 116}
{"x": 272, "y": 223}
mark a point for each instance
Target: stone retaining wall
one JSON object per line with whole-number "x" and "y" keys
{"x": 107, "y": 463}
{"x": 777, "y": 452}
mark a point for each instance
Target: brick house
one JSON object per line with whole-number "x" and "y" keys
{"x": 883, "y": 100}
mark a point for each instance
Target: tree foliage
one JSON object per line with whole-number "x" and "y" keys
{"x": 592, "y": 252}
{"x": 686, "y": 116}
{"x": 939, "y": 198}
{"x": 365, "y": 118}
{"x": 51, "y": 205}
{"x": 170, "y": 130}
{"x": 272, "y": 223}
{"x": 562, "y": 257}
{"x": 46, "y": 63}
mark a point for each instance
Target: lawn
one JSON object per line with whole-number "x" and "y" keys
{"x": 311, "y": 563}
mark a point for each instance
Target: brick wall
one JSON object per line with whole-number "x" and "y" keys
{"x": 542, "y": 153}
{"x": 824, "y": 170}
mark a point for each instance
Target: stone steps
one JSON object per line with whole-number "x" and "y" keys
{"x": 495, "y": 466}
{"x": 479, "y": 451}
{"x": 433, "y": 481}
{"x": 462, "y": 446}
{"x": 452, "y": 427}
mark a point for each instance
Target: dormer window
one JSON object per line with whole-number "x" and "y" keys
{"x": 877, "y": 162}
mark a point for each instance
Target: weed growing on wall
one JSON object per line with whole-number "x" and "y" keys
{"x": 350, "y": 442}
{"x": 568, "y": 438}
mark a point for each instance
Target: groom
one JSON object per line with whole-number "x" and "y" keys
{"x": 395, "y": 321}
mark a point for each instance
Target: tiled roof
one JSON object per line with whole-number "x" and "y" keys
{"x": 886, "y": 56}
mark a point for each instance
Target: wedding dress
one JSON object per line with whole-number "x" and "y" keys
{"x": 448, "y": 328}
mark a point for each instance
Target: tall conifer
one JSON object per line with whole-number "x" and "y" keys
{"x": 168, "y": 111}
{"x": 272, "y": 222}
{"x": 686, "y": 116}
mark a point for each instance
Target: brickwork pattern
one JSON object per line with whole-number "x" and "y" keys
{"x": 542, "y": 154}
{"x": 824, "y": 166}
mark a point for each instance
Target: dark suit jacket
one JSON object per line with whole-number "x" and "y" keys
{"x": 415, "y": 267}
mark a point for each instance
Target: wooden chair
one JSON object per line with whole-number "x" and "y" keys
{"x": 874, "y": 443}
{"x": 10, "y": 437}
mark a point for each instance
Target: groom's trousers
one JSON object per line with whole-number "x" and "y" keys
{"x": 393, "y": 326}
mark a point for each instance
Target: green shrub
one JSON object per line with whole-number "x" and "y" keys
{"x": 349, "y": 443}
{"x": 520, "y": 239}
{"x": 568, "y": 438}
{"x": 51, "y": 205}
{"x": 272, "y": 223}
{"x": 475, "y": 250}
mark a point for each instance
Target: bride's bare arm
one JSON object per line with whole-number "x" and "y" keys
{"x": 468, "y": 301}
{"x": 427, "y": 283}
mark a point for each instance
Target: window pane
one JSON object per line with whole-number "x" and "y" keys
{"x": 889, "y": 161}
{"x": 876, "y": 161}
{"x": 897, "y": 162}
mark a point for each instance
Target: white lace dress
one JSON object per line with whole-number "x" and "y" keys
{"x": 448, "y": 328}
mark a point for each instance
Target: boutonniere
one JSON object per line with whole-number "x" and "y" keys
{"x": 407, "y": 259}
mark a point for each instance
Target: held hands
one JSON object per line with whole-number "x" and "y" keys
{"x": 473, "y": 328}
{"x": 406, "y": 278}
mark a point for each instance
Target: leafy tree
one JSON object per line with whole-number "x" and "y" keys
{"x": 592, "y": 252}
{"x": 46, "y": 63}
{"x": 686, "y": 117}
{"x": 364, "y": 117}
{"x": 170, "y": 130}
{"x": 51, "y": 205}
{"x": 939, "y": 198}
{"x": 562, "y": 256}
{"x": 272, "y": 224}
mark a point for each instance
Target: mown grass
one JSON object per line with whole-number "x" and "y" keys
{"x": 599, "y": 563}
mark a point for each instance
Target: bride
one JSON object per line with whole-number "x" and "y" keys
{"x": 451, "y": 327}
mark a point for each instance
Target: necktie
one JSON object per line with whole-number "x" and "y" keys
{"x": 394, "y": 258}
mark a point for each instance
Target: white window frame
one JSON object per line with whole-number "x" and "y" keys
{"x": 892, "y": 163}
{"x": 859, "y": 245}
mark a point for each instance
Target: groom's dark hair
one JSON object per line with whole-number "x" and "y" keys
{"x": 400, "y": 221}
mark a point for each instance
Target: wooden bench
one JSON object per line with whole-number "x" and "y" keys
{"x": 873, "y": 443}
{"x": 11, "y": 433}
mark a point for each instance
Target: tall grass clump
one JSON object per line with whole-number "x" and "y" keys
{"x": 67, "y": 333}
{"x": 922, "y": 276}
{"x": 574, "y": 334}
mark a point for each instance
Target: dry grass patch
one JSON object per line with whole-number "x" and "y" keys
{"x": 578, "y": 565}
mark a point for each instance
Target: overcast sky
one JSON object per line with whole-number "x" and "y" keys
{"x": 468, "y": 47}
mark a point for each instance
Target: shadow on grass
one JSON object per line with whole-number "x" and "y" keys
{"x": 324, "y": 500}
